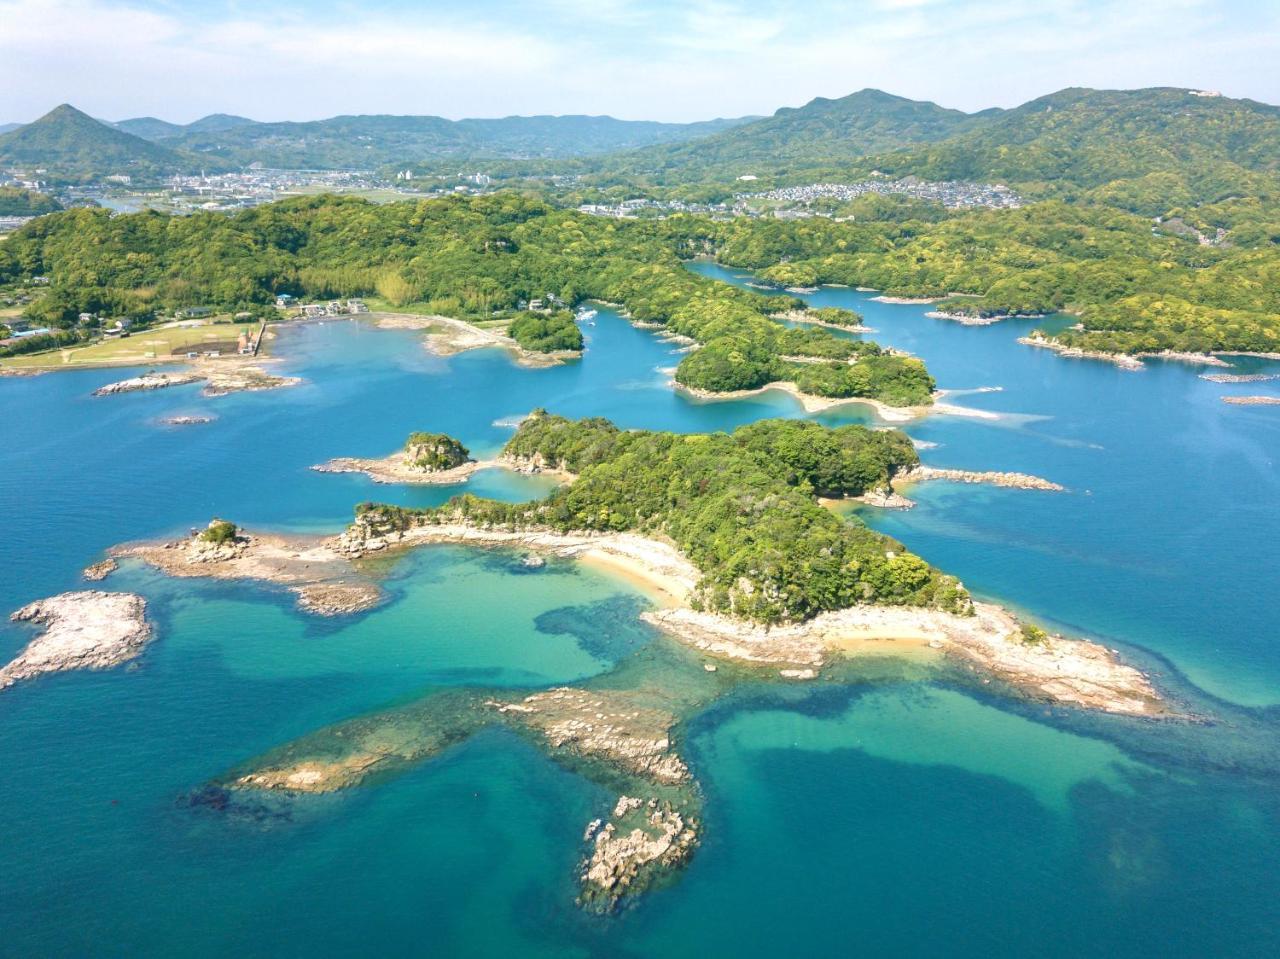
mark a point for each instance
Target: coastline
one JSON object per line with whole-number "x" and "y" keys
{"x": 1072, "y": 672}
{"x": 1133, "y": 361}
{"x": 811, "y": 403}
{"x": 396, "y": 469}
{"x": 459, "y": 336}
{"x": 324, "y": 574}
{"x": 1068, "y": 671}
{"x": 806, "y": 317}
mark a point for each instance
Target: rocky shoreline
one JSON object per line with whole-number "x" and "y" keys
{"x": 1122, "y": 360}
{"x": 151, "y": 380}
{"x": 1133, "y": 361}
{"x": 809, "y": 318}
{"x": 922, "y": 474}
{"x": 89, "y": 629}
{"x": 324, "y": 581}
{"x": 1064, "y": 671}
{"x": 398, "y": 468}
{"x": 219, "y": 376}
{"x": 323, "y": 575}
{"x": 1239, "y": 377}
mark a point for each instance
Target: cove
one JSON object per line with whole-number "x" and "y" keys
{"x": 900, "y": 814}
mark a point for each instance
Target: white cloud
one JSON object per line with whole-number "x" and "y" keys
{"x": 634, "y": 59}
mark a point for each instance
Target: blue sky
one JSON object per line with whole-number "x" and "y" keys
{"x": 180, "y": 59}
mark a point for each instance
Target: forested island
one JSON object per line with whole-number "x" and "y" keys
{"x": 476, "y": 259}
{"x": 741, "y": 506}
{"x": 763, "y": 585}
{"x": 1136, "y": 289}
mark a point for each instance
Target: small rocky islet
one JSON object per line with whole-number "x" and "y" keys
{"x": 620, "y": 730}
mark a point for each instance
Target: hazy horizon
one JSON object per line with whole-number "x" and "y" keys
{"x": 180, "y": 60}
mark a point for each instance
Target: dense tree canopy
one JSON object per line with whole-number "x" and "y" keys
{"x": 474, "y": 258}
{"x": 741, "y": 506}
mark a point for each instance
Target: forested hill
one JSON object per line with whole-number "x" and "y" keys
{"x": 71, "y": 146}
{"x": 1146, "y": 150}
{"x": 370, "y": 142}
{"x": 473, "y": 258}
{"x": 1143, "y": 150}
{"x": 867, "y": 122}
{"x": 150, "y": 128}
{"x": 741, "y": 506}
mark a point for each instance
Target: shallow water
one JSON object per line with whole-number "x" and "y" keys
{"x": 894, "y": 816}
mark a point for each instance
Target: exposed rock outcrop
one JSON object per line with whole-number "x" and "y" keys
{"x": 921, "y": 473}
{"x": 148, "y": 381}
{"x": 89, "y": 629}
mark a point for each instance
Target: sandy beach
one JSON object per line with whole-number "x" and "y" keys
{"x": 811, "y": 403}
{"x": 447, "y": 336}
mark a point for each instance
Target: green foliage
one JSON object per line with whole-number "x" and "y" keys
{"x": 220, "y": 531}
{"x": 1033, "y": 635}
{"x": 465, "y": 257}
{"x": 1136, "y": 289}
{"x": 15, "y": 201}
{"x": 741, "y": 506}
{"x": 41, "y": 342}
{"x": 73, "y": 146}
{"x": 1145, "y": 150}
{"x": 360, "y": 142}
{"x": 435, "y": 451}
{"x": 546, "y": 333}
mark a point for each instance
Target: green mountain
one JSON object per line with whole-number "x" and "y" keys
{"x": 1134, "y": 147}
{"x": 149, "y": 128}
{"x": 365, "y": 142}
{"x": 216, "y": 122}
{"x": 72, "y": 145}
{"x": 821, "y": 131}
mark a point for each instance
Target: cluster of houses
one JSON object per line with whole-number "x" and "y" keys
{"x": 542, "y": 304}
{"x": 630, "y": 209}
{"x": 331, "y": 308}
{"x": 950, "y": 193}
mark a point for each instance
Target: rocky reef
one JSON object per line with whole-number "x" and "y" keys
{"x": 148, "y": 381}
{"x": 219, "y": 376}
{"x": 920, "y": 474}
{"x": 325, "y": 582}
{"x": 90, "y": 629}
{"x": 1252, "y": 400}
{"x": 433, "y": 458}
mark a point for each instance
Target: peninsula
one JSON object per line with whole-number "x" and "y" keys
{"x": 756, "y": 582}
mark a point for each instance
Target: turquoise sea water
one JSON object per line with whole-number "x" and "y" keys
{"x": 895, "y": 816}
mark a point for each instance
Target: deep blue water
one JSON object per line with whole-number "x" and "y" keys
{"x": 901, "y": 817}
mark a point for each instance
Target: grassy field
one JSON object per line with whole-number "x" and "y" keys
{"x": 148, "y": 346}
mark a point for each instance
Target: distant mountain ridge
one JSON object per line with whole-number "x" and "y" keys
{"x": 1146, "y": 150}
{"x": 73, "y": 145}
{"x": 866, "y": 122}
{"x": 371, "y": 141}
